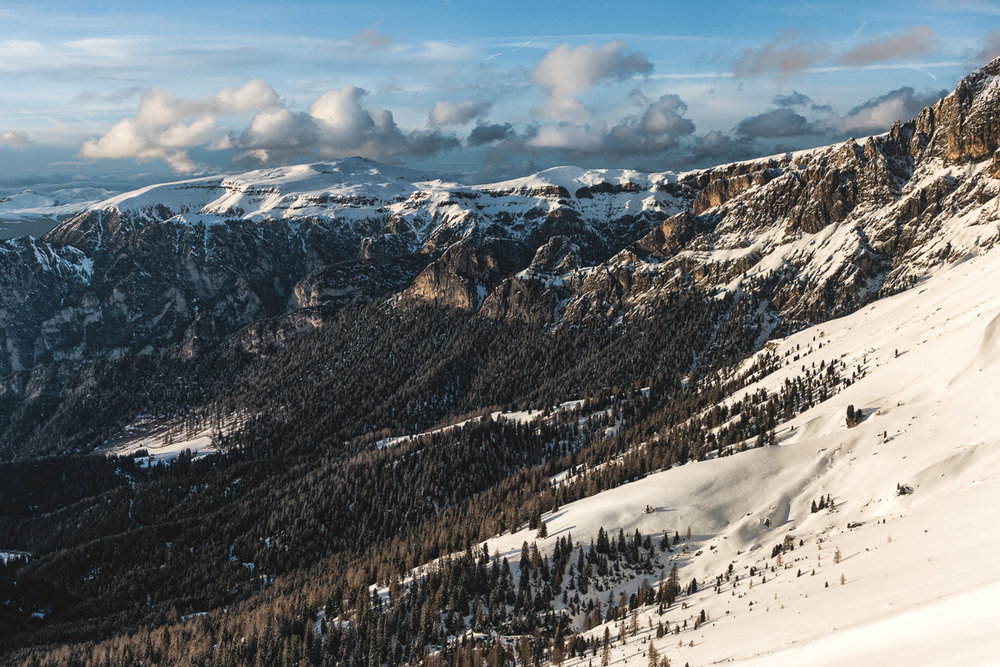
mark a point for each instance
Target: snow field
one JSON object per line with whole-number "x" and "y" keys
{"x": 919, "y": 581}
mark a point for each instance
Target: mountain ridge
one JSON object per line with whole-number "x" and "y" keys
{"x": 203, "y": 257}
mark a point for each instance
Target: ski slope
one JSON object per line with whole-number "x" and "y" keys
{"x": 919, "y": 585}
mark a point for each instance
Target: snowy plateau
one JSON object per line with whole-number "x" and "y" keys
{"x": 36, "y": 209}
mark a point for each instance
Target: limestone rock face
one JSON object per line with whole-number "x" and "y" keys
{"x": 559, "y": 255}
{"x": 965, "y": 123}
{"x": 670, "y": 236}
{"x": 729, "y": 182}
{"x": 462, "y": 277}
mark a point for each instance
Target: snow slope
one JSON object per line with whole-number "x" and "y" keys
{"x": 325, "y": 189}
{"x": 919, "y": 585}
{"x": 164, "y": 441}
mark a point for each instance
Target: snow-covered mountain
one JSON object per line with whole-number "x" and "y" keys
{"x": 894, "y": 568}
{"x": 795, "y": 239}
{"x": 777, "y": 375}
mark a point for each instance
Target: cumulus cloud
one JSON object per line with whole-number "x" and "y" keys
{"x": 446, "y": 113}
{"x": 659, "y": 128}
{"x": 274, "y": 135}
{"x": 792, "y": 99}
{"x": 715, "y": 147}
{"x": 338, "y": 124}
{"x": 913, "y": 41}
{"x": 253, "y": 95}
{"x": 780, "y": 122}
{"x": 567, "y": 72}
{"x": 166, "y": 126}
{"x": 571, "y": 137}
{"x": 785, "y": 54}
{"x": 488, "y": 133}
{"x": 14, "y": 138}
{"x": 877, "y": 114}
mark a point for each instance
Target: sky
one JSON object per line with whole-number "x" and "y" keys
{"x": 477, "y": 91}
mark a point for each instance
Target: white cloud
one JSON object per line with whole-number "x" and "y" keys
{"x": 338, "y": 124}
{"x": 878, "y": 113}
{"x": 446, "y": 113}
{"x": 166, "y": 126}
{"x": 574, "y": 137}
{"x": 253, "y": 95}
{"x": 14, "y": 138}
{"x": 342, "y": 113}
{"x": 657, "y": 129}
{"x": 567, "y": 72}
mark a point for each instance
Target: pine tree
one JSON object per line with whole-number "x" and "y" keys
{"x": 556, "y": 655}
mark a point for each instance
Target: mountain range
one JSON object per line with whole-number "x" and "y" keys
{"x": 341, "y": 395}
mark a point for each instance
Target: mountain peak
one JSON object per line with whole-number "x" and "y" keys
{"x": 964, "y": 126}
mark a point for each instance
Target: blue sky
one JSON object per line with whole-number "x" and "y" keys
{"x": 476, "y": 90}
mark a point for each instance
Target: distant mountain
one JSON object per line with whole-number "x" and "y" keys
{"x": 34, "y": 210}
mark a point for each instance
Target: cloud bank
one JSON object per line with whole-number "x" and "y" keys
{"x": 338, "y": 123}
{"x": 165, "y": 126}
{"x": 252, "y": 124}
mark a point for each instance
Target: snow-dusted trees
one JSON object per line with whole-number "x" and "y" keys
{"x": 854, "y": 417}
